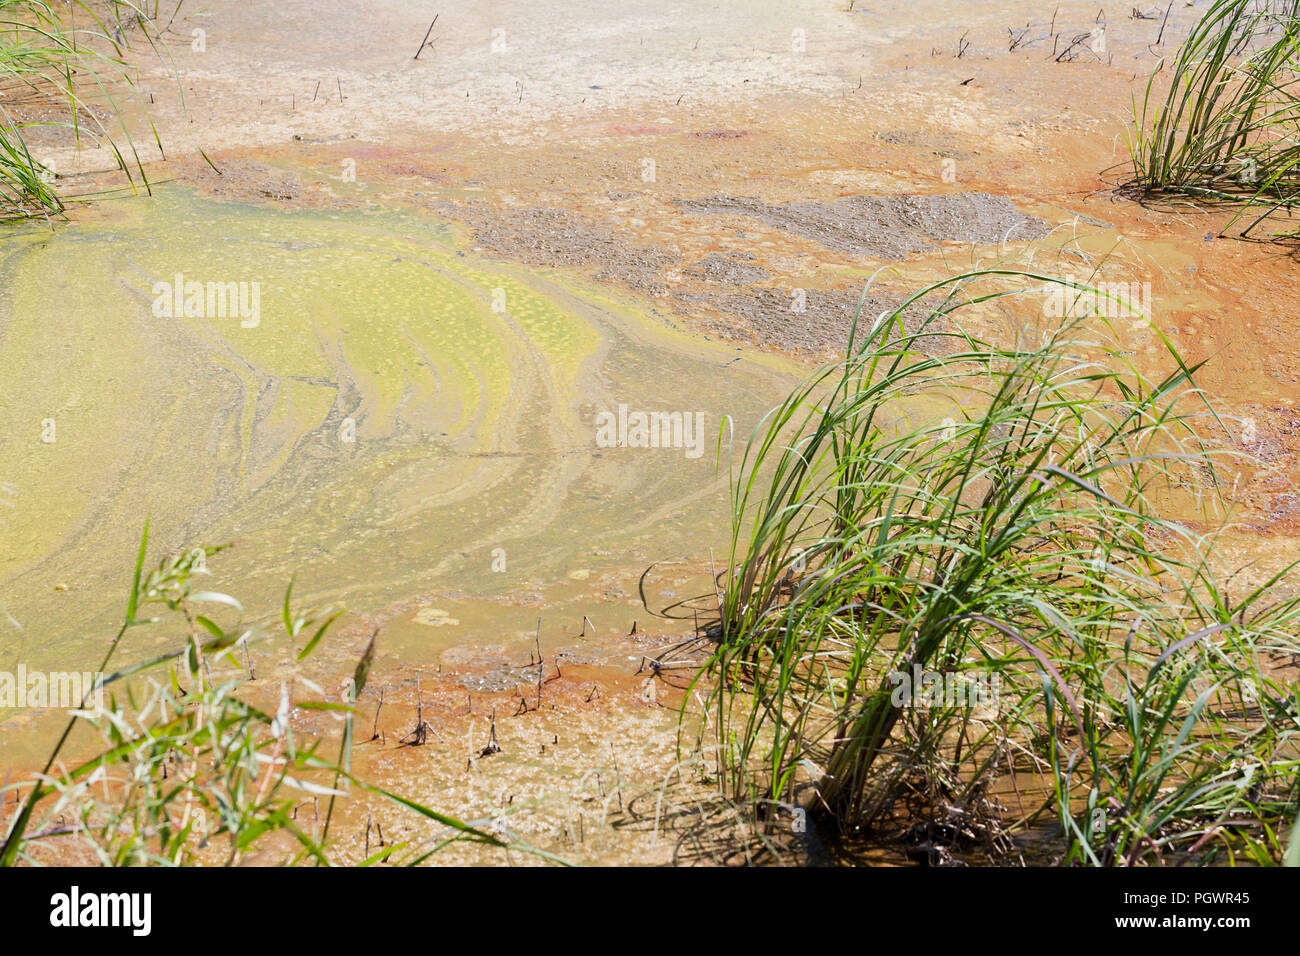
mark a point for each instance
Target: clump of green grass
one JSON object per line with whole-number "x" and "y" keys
{"x": 58, "y": 57}
{"x": 1228, "y": 127}
{"x": 1022, "y": 515}
{"x": 192, "y": 772}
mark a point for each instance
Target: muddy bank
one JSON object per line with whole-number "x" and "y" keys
{"x": 885, "y": 227}
{"x": 735, "y": 295}
{"x": 572, "y": 752}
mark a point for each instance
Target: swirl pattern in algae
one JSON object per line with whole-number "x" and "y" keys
{"x": 399, "y": 411}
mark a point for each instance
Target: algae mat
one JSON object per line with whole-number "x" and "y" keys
{"x": 349, "y": 397}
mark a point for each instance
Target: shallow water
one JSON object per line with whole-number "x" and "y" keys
{"x": 398, "y": 418}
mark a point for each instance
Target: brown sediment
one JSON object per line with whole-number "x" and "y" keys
{"x": 767, "y": 208}
{"x": 586, "y": 764}
{"x": 578, "y": 759}
{"x": 559, "y": 238}
{"x": 885, "y": 227}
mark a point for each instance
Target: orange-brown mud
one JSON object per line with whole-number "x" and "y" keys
{"x": 715, "y": 175}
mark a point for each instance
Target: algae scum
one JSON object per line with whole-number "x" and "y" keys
{"x": 350, "y": 398}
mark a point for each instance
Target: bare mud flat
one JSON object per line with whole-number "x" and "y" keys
{"x": 465, "y": 257}
{"x": 886, "y": 227}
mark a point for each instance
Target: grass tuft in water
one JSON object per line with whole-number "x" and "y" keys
{"x": 1228, "y": 126}
{"x": 965, "y": 586}
{"x": 55, "y": 59}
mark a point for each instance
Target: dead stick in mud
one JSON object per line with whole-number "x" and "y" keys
{"x": 538, "y": 640}
{"x": 423, "y": 728}
{"x": 316, "y": 91}
{"x": 425, "y": 41}
{"x": 493, "y": 747}
{"x": 660, "y": 660}
{"x": 1069, "y": 49}
{"x": 58, "y": 831}
{"x": 419, "y": 705}
{"x": 1163, "y": 22}
{"x": 374, "y": 735}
